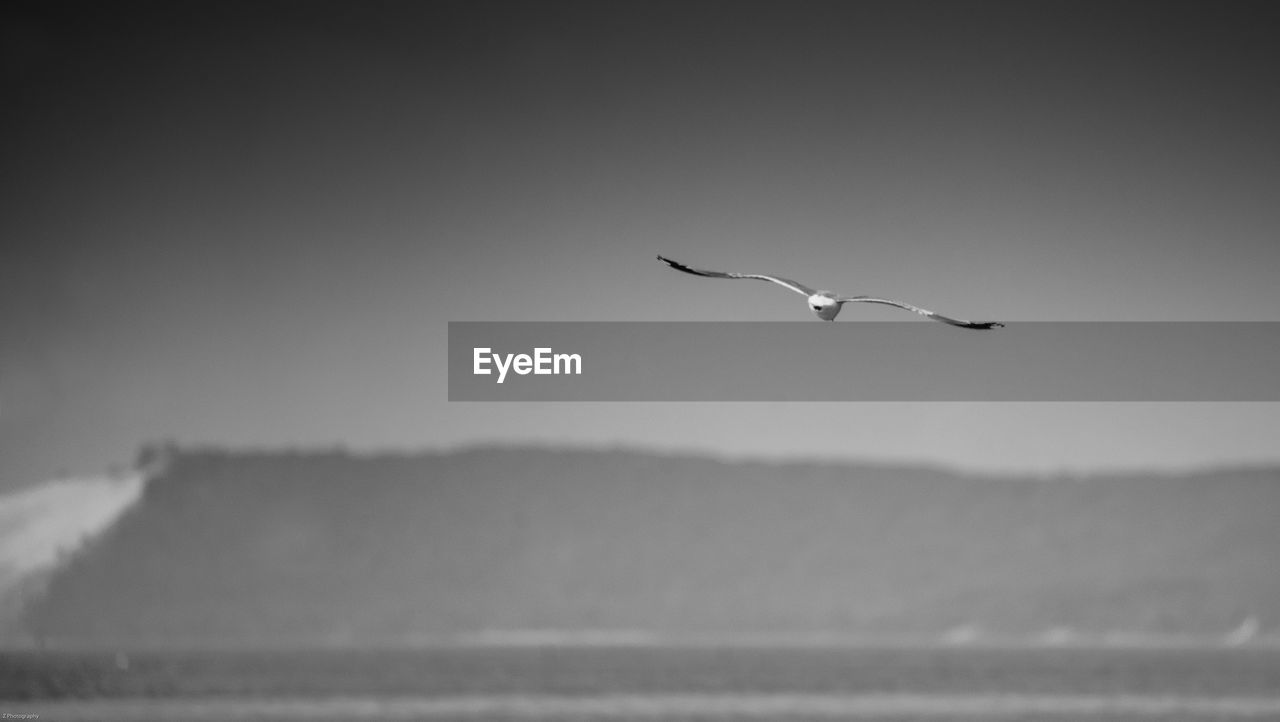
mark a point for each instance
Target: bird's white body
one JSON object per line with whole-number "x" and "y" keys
{"x": 825, "y": 304}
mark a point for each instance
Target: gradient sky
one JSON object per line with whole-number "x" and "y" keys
{"x": 249, "y": 223}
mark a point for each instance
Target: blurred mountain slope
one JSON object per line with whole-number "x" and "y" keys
{"x": 328, "y": 548}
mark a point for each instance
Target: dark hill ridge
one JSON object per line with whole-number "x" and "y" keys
{"x": 329, "y": 548}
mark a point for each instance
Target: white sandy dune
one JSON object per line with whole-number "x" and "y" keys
{"x": 39, "y": 523}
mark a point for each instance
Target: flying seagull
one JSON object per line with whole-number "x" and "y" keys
{"x": 825, "y": 304}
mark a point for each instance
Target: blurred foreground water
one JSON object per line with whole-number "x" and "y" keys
{"x": 638, "y": 682}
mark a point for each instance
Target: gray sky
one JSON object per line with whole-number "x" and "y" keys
{"x": 250, "y": 223}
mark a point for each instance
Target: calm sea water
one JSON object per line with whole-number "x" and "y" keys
{"x": 633, "y": 683}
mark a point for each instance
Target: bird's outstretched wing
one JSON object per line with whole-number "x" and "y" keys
{"x": 799, "y": 288}
{"x": 923, "y": 312}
